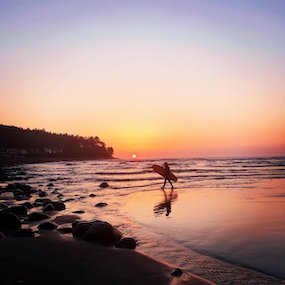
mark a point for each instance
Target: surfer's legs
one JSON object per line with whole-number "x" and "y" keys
{"x": 171, "y": 184}
{"x": 163, "y": 184}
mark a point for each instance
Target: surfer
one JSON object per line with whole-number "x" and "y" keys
{"x": 167, "y": 176}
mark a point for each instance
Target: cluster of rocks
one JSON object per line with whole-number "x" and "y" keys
{"x": 102, "y": 233}
{"x": 12, "y": 218}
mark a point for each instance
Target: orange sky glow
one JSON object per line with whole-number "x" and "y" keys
{"x": 147, "y": 79}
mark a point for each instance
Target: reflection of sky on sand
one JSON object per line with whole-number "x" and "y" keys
{"x": 246, "y": 226}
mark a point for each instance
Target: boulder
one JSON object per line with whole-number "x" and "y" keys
{"x": 18, "y": 210}
{"x": 48, "y": 207}
{"x": 9, "y": 221}
{"x": 80, "y": 228}
{"x": 65, "y": 219}
{"x": 77, "y": 222}
{"x": 21, "y": 186}
{"x": 23, "y": 233}
{"x": 42, "y": 193}
{"x": 22, "y": 197}
{"x": 101, "y": 204}
{"x": 42, "y": 201}
{"x": 47, "y": 226}
{"x": 34, "y": 217}
{"x": 50, "y": 185}
{"x": 58, "y": 206}
{"x": 92, "y": 195}
{"x": 177, "y": 272}
{"x": 102, "y": 233}
{"x": 28, "y": 205}
{"x": 104, "y": 185}
{"x": 18, "y": 192}
{"x": 63, "y": 229}
{"x": 127, "y": 242}
{"x": 3, "y": 206}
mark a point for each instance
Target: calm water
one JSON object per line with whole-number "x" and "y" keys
{"x": 232, "y": 209}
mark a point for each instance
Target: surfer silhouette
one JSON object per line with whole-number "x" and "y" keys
{"x": 165, "y": 173}
{"x": 167, "y": 176}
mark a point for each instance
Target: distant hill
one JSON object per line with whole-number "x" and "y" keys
{"x": 16, "y": 141}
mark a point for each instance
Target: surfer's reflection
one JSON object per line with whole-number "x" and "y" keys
{"x": 165, "y": 205}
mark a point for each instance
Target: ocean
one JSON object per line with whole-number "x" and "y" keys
{"x": 230, "y": 209}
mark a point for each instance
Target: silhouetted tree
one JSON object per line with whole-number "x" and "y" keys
{"x": 39, "y": 142}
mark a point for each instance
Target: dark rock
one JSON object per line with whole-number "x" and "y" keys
{"x": 34, "y": 217}
{"x": 48, "y": 207}
{"x": 42, "y": 193}
{"x": 102, "y": 233}
{"x": 28, "y": 205}
{"x": 77, "y": 222}
{"x": 127, "y": 242}
{"x": 36, "y": 205}
{"x": 101, "y": 204}
{"x": 9, "y": 220}
{"x": 104, "y": 185}
{"x": 47, "y": 226}
{"x": 65, "y": 219}
{"x": 24, "y": 187}
{"x": 2, "y": 235}
{"x": 42, "y": 201}
{"x": 18, "y": 210}
{"x": 3, "y": 206}
{"x": 177, "y": 272}
{"x": 68, "y": 200}
{"x": 80, "y": 228}
{"x": 78, "y": 212}
{"x": 92, "y": 195}
{"x": 64, "y": 229}
{"x": 58, "y": 206}
{"x": 18, "y": 192}
{"x": 22, "y": 197}
{"x": 50, "y": 185}
{"x": 23, "y": 233}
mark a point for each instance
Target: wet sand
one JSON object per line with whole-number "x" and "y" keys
{"x": 54, "y": 259}
{"x": 247, "y": 230}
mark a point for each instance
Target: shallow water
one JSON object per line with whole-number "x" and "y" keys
{"x": 229, "y": 208}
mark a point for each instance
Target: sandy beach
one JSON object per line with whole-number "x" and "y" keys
{"x": 59, "y": 255}
{"x": 57, "y": 260}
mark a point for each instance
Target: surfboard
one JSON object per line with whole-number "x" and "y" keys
{"x": 160, "y": 170}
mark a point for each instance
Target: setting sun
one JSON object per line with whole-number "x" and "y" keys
{"x": 134, "y": 156}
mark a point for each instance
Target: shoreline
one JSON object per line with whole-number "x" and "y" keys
{"x": 13, "y": 161}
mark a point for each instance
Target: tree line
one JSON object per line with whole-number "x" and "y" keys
{"x": 37, "y": 142}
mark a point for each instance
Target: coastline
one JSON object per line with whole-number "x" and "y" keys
{"x": 13, "y": 161}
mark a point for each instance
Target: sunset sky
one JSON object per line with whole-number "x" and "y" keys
{"x": 151, "y": 78}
